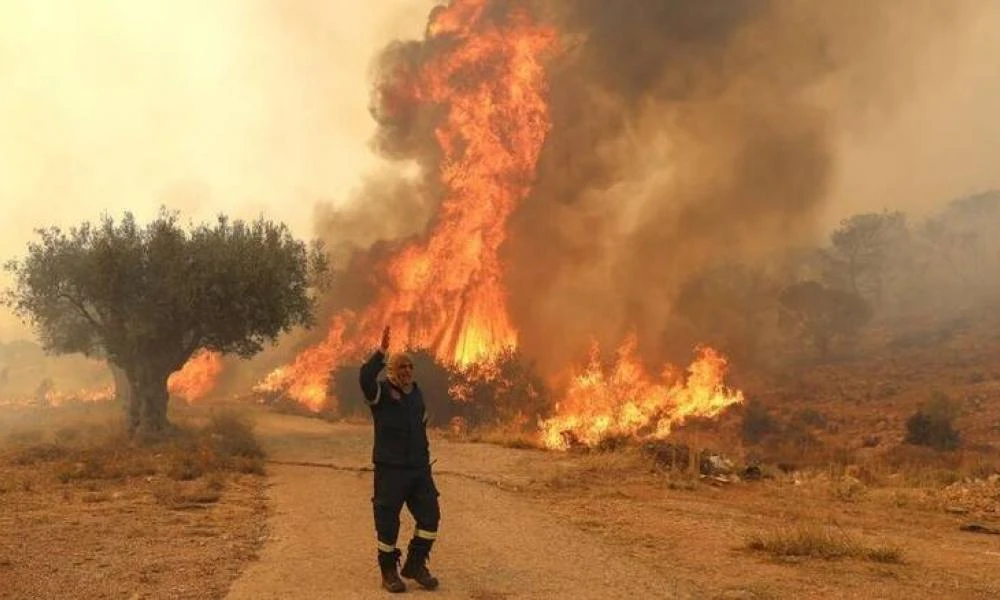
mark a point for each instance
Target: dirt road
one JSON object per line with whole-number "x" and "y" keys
{"x": 494, "y": 544}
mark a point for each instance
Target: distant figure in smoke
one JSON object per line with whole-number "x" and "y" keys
{"x": 402, "y": 467}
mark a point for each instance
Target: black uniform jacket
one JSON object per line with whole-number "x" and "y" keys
{"x": 400, "y": 419}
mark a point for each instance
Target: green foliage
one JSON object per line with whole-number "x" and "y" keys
{"x": 933, "y": 424}
{"x": 820, "y": 315}
{"x": 125, "y": 291}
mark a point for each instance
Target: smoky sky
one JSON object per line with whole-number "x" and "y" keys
{"x": 684, "y": 133}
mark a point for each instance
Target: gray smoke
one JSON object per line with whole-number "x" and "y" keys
{"x": 686, "y": 133}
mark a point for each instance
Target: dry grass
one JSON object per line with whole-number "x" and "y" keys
{"x": 178, "y": 495}
{"x": 87, "y": 451}
{"x": 74, "y": 488}
{"x": 814, "y": 541}
{"x": 499, "y": 435}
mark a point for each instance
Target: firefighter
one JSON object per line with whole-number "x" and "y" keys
{"x": 402, "y": 467}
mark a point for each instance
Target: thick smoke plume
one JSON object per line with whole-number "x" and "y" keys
{"x": 684, "y": 133}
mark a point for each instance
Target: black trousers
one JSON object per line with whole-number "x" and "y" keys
{"x": 414, "y": 487}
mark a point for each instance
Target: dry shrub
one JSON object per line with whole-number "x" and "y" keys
{"x": 504, "y": 436}
{"x": 667, "y": 455}
{"x": 68, "y": 435}
{"x": 848, "y": 489}
{"x": 233, "y": 435}
{"x": 96, "y": 497}
{"x": 29, "y": 455}
{"x": 814, "y": 541}
{"x": 183, "y": 496}
{"x": 225, "y": 444}
{"x": 923, "y": 466}
{"x": 25, "y": 437}
{"x": 593, "y": 468}
{"x": 933, "y": 425}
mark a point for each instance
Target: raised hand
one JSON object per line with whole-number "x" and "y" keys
{"x": 384, "y": 345}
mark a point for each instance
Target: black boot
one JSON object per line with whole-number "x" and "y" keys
{"x": 387, "y": 563}
{"x": 415, "y": 566}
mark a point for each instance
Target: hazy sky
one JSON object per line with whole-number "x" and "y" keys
{"x": 941, "y": 137}
{"x": 245, "y": 106}
{"x": 238, "y": 106}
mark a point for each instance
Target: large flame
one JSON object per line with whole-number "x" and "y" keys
{"x": 624, "y": 400}
{"x": 197, "y": 378}
{"x": 446, "y": 293}
{"x": 484, "y": 72}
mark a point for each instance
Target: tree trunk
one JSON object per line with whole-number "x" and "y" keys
{"x": 150, "y": 388}
{"x": 125, "y": 394}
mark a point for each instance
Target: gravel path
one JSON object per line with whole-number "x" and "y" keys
{"x": 494, "y": 544}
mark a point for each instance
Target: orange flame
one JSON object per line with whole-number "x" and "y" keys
{"x": 446, "y": 293}
{"x": 197, "y": 378}
{"x": 623, "y": 400}
{"x": 55, "y": 398}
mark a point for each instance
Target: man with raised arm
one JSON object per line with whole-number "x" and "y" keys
{"x": 402, "y": 466}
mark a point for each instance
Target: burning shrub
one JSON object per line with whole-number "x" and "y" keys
{"x": 503, "y": 390}
{"x": 933, "y": 425}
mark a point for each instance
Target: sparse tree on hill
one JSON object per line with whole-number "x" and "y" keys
{"x": 820, "y": 315}
{"x": 962, "y": 237}
{"x": 862, "y": 249}
{"x": 146, "y": 298}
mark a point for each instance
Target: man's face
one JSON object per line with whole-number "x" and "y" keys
{"x": 404, "y": 372}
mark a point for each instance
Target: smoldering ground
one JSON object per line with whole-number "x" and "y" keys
{"x": 684, "y": 134}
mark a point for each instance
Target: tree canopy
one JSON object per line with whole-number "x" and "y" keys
{"x": 861, "y": 249}
{"x": 820, "y": 315}
{"x": 147, "y": 297}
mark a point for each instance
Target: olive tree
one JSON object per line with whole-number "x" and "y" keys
{"x": 146, "y": 298}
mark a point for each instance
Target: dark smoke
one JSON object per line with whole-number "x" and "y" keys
{"x": 685, "y": 133}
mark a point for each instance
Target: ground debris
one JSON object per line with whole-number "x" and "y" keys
{"x": 980, "y": 528}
